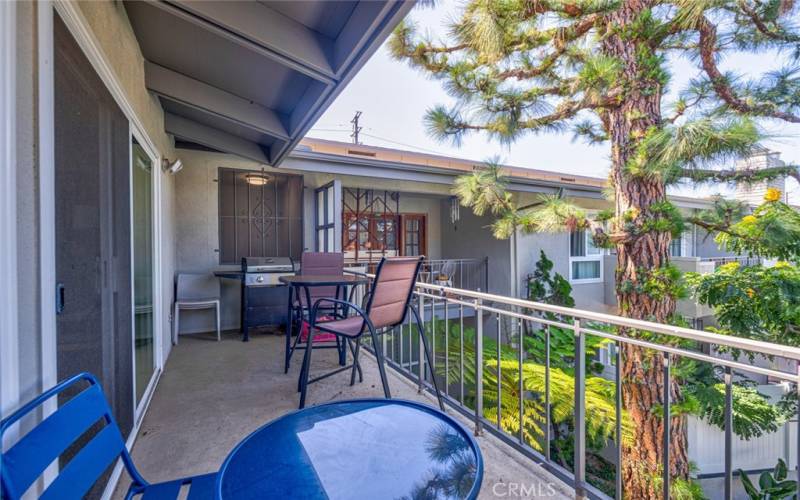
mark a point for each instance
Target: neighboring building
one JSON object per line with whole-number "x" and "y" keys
{"x": 753, "y": 194}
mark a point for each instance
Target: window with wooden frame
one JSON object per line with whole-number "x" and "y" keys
{"x": 371, "y": 224}
{"x": 414, "y": 234}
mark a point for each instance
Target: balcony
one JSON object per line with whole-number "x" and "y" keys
{"x": 212, "y": 395}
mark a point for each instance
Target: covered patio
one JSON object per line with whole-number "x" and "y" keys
{"x": 212, "y": 395}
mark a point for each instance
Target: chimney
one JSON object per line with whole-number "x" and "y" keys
{"x": 753, "y": 194}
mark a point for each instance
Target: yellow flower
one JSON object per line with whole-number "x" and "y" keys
{"x": 751, "y": 293}
{"x": 773, "y": 194}
{"x": 782, "y": 264}
{"x": 749, "y": 219}
{"x": 729, "y": 267}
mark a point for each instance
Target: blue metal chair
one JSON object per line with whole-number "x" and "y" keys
{"x": 27, "y": 459}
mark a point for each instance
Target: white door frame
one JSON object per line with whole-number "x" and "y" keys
{"x": 47, "y": 217}
{"x": 9, "y": 321}
{"x": 155, "y": 184}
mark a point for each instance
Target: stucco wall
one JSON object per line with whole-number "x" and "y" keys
{"x": 705, "y": 246}
{"x": 110, "y": 26}
{"x": 431, "y": 207}
{"x": 470, "y": 238}
{"x": 589, "y": 296}
{"x": 197, "y": 225}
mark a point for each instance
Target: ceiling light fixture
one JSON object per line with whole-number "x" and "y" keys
{"x": 257, "y": 179}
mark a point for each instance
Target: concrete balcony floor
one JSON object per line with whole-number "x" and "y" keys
{"x": 213, "y": 394}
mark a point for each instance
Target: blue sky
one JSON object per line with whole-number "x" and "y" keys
{"x": 393, "y": 98}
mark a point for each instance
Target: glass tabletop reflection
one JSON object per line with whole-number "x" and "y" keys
{"x": 365, "y": 449}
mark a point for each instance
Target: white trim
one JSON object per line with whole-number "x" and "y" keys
{"x": 9, "y": 319}
{"x": 47, "y": 224}
{"x": 155, "y": 171}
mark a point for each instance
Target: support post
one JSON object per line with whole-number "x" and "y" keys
{"x": 478, "y": 368}
{"x": 580, "y": 411}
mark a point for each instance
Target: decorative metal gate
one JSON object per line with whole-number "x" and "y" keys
{"x": 371, "y": 223}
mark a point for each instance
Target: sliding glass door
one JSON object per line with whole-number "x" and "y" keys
{"x": 144, "y": 331}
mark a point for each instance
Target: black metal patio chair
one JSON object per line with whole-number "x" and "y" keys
{"x": 387, "y": 306}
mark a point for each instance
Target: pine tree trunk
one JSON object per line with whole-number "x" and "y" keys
{"x": 637, "y": 255}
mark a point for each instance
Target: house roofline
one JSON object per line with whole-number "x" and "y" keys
{"x": 521, "y": 178}
{"x": 439, "y": 162}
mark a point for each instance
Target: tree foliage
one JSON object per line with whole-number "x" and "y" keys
{"x": 756, "y": 302}
{"x": 517, "y": 67}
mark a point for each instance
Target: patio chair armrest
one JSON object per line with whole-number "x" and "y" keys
{"x": 346, "y": 304}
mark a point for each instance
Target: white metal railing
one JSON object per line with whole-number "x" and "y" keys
{"x": 741, "y": 260}
{"x": 508, "y": 322}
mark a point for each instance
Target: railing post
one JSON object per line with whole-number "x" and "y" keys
{"x": 421, "y": 356}
{"x": 618, "y": 403}
{"x": 548, "y": 423}
{"x": 580, "y": 410}
{"x": 728, "y": 378}
{"x": 797, "y": 432}
{"x": 667, "y": 424}
{"x": 383, "y": 343}
{"x": 461, "y": 352}
{"x": 521, "y": 388}
{"x": 486, "y": 274}
{"x": 446, "y": 347}
{"x": 478, "y": 368}
{"x": 499, "y": 375}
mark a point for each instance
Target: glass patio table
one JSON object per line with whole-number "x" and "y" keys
{"x": 361, "y": 449}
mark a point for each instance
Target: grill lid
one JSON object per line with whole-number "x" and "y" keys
{"x": 267, "y": 264}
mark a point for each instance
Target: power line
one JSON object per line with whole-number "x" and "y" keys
{"x": 426, "y": 150}
{"x": 404, "y": 144}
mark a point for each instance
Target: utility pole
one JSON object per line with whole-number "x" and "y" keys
{"x": 356, "y": 128}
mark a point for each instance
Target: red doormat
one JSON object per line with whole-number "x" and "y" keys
{"x": 318, "y": 336}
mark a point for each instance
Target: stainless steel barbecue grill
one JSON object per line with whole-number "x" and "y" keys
{"x": 265, "y": 271}
{"x": 264, "y": 298}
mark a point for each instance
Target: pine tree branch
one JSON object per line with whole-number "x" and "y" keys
{"x": 708, "y": 48}
{"x": 762, "y": 27}
{"x": 568, "y": 109}
{"x": 747, "y": 175}
{"x": 712, "y": 227}
{"x": 561, "y": 38}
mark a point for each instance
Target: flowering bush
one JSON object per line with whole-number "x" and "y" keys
{"x": 772, "y": 194}
{"x": 772, "y": 231}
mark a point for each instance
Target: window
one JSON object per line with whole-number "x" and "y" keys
{"x": 585, "y": 259}
{"x": 371, "y": 228}
{"x": 370, "y": 235}
{"x": 260, "y": 215}
{"x": 676, "y": 247}
{"x": 413, "y": 234}
{"x": 325, "y": 226}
